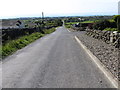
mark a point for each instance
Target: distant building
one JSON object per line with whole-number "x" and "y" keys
{"x": 20, "y": 24}
{"x": 81, "y": 19}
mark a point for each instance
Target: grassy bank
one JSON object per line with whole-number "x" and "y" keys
{"x": 68, "y": 26}
{"x": 13, "y": 45}
{"x": 48, "y": 31}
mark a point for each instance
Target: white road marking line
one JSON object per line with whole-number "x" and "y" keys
{"x": 108, "y": 74}
{"x": 68, "y": 30}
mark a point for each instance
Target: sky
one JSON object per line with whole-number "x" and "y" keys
{"x": 34, "y": 8}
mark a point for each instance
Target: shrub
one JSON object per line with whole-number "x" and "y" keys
{"x": 14, "y": 45}
{"x": 48, "y": 31}
{"x": 101, "y": 25}
{"x": 116, "y": 17}
{"x": 117, "y": 20}
{"x": 68, "y": 26}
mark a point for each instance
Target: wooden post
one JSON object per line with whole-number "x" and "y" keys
{"x": 111, "y": 37}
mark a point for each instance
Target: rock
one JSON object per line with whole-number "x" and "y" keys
{"x": 106, "y": 53}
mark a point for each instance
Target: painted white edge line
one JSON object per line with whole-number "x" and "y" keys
{"x": 68, "y": 30}
{"x": 108, "y": 74}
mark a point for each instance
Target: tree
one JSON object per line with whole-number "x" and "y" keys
{"x": 101, "y": 25}
{"x": 116, "y": 17}
{"x": 117, "y": 20}
{"x": 40, "y": 25}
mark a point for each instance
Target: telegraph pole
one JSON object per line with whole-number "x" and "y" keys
{"x": 42, "y": 17}
{"x": 42, "y": 24}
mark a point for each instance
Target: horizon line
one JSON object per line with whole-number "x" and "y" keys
{"x": 19, "y": 17}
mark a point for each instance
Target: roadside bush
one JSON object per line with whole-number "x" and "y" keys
{"x": 101, "y": 25}
{"x": 68, "y": 26}
{"x": 117, "y": 20}
{"x": 113, "y": 25}
{"x": 84, "y": 24}
{"x": 58, "y": 22}
{"x": 0, "y": 52}
{"x": 48, "y": 31}
{"x": 116, "y": 17}
{"x": 14, "y": 45}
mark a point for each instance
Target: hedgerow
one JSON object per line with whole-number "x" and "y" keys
{"x": 13, "y": 45}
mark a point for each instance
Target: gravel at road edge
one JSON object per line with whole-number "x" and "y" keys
{"x": 106, "y": 53}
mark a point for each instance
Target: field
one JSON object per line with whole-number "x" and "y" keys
{"x": 88, "y": 22}
{"x": 106, "y": 23}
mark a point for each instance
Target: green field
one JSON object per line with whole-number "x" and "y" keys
{"x": 111, "y": 20}
{"x": 88, "y": 22}
{"x": 70, "y": 23}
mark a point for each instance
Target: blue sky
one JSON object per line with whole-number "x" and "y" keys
{"x": 32, "y": 8}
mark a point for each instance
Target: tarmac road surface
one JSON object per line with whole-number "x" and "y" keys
{"x": 54, "y": 61}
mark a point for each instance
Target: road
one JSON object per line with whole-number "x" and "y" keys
{"x": 54, "y": 61}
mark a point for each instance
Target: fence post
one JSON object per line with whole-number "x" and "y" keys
{"x": 111, "y": 37}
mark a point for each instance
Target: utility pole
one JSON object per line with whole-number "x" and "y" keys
{"x": 42, "y": 17}
{"x": 42, "y": 23}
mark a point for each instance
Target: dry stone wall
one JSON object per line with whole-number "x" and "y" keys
{"x": 110, "y": 37}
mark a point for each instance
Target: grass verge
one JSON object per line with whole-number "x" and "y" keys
{"x": 48, "y": 31}
{"x": 68, "y": 26}
{"x": 13, "y": 45}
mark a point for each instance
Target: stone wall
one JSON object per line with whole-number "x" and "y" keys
{"x": 78, "y": 28}
{"x": 110, "y": 37}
